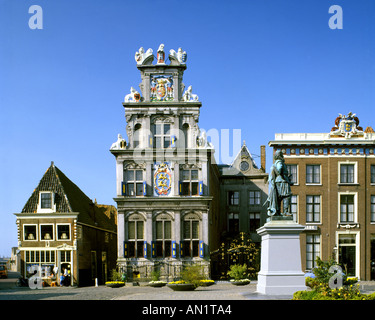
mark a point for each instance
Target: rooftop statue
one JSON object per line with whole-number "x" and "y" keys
{"x": 180, "y": 55}
{"x": 141, "y": 56}
{"x": 279, "y": 187}
{"x": 161, "y": 54}
{"x": 133, "y": 96}
{"x": 189, "y": 96}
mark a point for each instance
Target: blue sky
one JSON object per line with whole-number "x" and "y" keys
{"x": 262, "y": 66}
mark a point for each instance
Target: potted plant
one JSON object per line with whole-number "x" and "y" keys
{"x": 191, "y": 278}
{"x": 238, "y": 273}
{"x": 155, "y": 281}
{"x": 116, "y": 281}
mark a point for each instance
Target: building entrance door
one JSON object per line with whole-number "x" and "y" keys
{"x": 372, "y": 258}
{"x": 347, "y": 254}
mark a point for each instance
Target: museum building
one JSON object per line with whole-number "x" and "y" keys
{"x": 175, "y": 204}
{"x": 334, "y": 194}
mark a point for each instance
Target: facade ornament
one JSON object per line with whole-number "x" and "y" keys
{"x": 142, "y": 57}
{"x": 180, "y": 55}
{"x": 161, "y": 88}
{"x": 202, "y": 140}
{"x": 161, "y": 54}
{"x": 188, "y": 96}
{"x": 133, "y": 96}
{"x": 346, "y": 126}
{"x": 119, "y": 144}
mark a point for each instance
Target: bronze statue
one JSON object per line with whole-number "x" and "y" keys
{"x": 279, "y": 187}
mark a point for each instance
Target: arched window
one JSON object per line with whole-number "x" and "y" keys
{"x": 185, "y": 131}
{"x": 137, "y": 135}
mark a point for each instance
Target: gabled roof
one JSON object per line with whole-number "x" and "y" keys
{"x": 234, "y": 169}
{"x": 69, "y": 198}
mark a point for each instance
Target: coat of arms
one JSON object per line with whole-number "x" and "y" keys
{"x": 161, "y": 88}
{"x": 162, "y": 179}
{"x": 346, "y": 126}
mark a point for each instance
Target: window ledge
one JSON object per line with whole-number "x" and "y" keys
{"x": 348, "y": 184}
{"x": 314, "y": 184}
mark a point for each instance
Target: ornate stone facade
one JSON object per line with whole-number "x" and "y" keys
{"x": 163, "y": 173}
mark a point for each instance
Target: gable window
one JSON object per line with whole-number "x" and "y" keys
{"x": 233, "y": 198}
{"x": 134, "y": 182}
{"x": 189, "y": 182}
{"x": 312, "y": 208}
{"x": 254, "y": 197}
{"x": 163, "y": 238}
{"x": 313, "y": 174}
{"x": 347, "y": 173}
{"x": 46, "y": 200}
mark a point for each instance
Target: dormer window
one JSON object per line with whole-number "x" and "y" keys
{"x": 46, "y": 202}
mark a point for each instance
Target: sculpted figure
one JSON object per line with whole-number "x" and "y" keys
{"x": 279, "y": 187}
{"x": 119, "y": 144}
{"x": 180, "y": 55}
{"x": 133, "y": 96}
{"x": 189, "y": 96}
{"x": 141, "y": 55}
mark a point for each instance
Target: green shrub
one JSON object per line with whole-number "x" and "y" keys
{"x": 193, "y": 274}
{"x": 238, "y": 272}
{"x": 155, "y": 275}
{"x": 116, "y": 275}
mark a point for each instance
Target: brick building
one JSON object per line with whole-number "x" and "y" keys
{"x": 334, "y": 193}
{"x": 61, "y": 228}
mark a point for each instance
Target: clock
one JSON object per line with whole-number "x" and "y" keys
{"x": 244, "y": 165}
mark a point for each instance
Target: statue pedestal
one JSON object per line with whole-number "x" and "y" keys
{"x": 280, "y": 270}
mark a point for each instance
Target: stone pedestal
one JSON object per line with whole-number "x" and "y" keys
{"x": 280, "y": 271}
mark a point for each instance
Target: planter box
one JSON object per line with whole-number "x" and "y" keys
{"x": 157, "y": 284}
{"x": 240, "y": 283}
{"x": 115, "y": 285}
{"x": 181, "y": 287}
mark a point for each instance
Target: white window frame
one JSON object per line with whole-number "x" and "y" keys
{"x": 320, "y": 209}
{"x": 320, "y": 175}
{"x": 355, "y": 194}
{"x": 46, "y": 210}
{"x": 36, "y": 232}
{"x": 53, "y": 231}
{"x": 357, "y": 248}
{"x": 297, "y": 172}
{"x": 70, "y": 231}
{"x": 347, "y": 162}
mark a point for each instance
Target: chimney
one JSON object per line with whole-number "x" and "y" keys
{"x": 263, "y": 158}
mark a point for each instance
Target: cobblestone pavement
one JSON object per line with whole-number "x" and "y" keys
{"x": 220, "y": 291}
